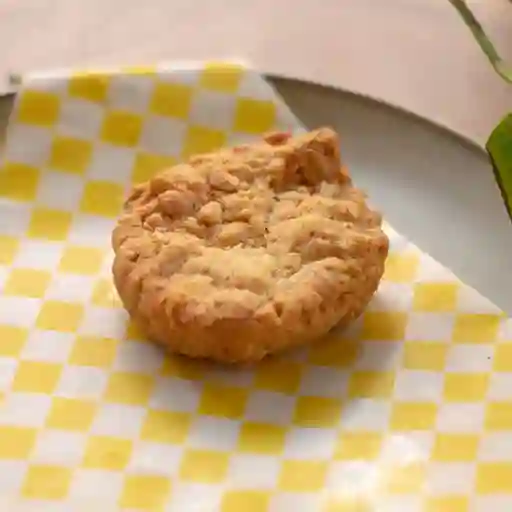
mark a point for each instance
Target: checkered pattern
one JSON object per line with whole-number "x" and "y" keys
{"x": 409, "y": 410}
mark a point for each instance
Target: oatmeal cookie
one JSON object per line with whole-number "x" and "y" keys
{"x": 249, "y": 250}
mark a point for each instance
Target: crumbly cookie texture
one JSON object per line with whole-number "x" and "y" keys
{"x": 250, "y": 250}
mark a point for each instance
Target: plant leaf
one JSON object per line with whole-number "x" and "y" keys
{"x": 499, "y": 147}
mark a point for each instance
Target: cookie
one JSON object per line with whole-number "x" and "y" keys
{"x": 249, "y": 250}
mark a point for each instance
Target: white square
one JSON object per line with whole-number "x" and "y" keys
{"x": 366, "y": 414}
{"x": 176, "y": 72}
{"x": 155, "y": 458}
{"x": 419, "y": 386}
{"x": 496, "y": 503}
{"x": 398, "y": 243}
{"x": 310, "y": 443}
{"x": 469, "y": 357}
{"x": 404, "y": 503}
{"x": 163, "y": 135}
{"x": 14, "y": 217}
{"x": 268, "y": 407}
{"x": 195, "y": 497}
{"x": 253, "y": 86}
{"x": 253, "y": 471}
{"x": 130, "y": 92}
{"x": 505, "y": 330}
{"x": 470, "y": 301}
{"x": 431, "y": 270}
{"x": 105, "y": 322}
{"x": 28, "y": 144}
{"x": 460, "y": 417}
{"x": 8, "y": 367}
{"x": 353, "y": 479}
{"x": 429, "y": 326}
{"x": 92, "y": 230}
{"x": 298, "y": 502}
{"x": 12, "y": 474}
{"x": 500, "y": 386}
{"x": 392, "y": 297}
{"x": 134, "y": 356}
{"x": 495, "y": 447}
{"x": 19, "y": 311}
{"x": 118, "y": 420}
{"x": 70, "y": 288}
{"x": 51, "y": 346}
{"x": 407, "y": 448}
{"x": 39, "y": 255}
{"x": 96, "y": 486}
{"x": 80, "y": 119}
{"x": 323, "y": 381}
{"x": 60, "y": 190}
{"x": 176, "y": 394}
{"x": 112, "y": 163}
{"x": 4, "y": 274}
{"x": 82, "y": 382}
{"x": 25, "y": 409}
{"x": 212, "y": 109}
{"x": 450, "y": 478}
{"x": 379, "y": 356}
{"x": 214, "y": 433}
{"x": 59, "y": 447}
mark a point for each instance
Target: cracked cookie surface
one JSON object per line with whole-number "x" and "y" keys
{"x": 249, "y": 250}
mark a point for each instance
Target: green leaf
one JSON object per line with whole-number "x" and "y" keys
{"x": 499, "y": 147}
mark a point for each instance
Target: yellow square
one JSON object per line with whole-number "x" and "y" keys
{"x": 317, "y": 411}
{"x": 104, "y": 294}
{"x": 90, "y": 87}
{"x": 71, "y": 414}
{"x": 49, "y": 224}
{"x": 166, "y": 426}
{"x": 145, "y": 492}
{"x": 46, "y": 482}
{"x": 358, "y": 446}
{"x": 18, "y": 181}
{"x": 380, "y": 326}
{"x": 202, "y": 140}
{"x": 27, "y": 282}
{"x": 8, "y": 249}
{"x": 334, "y": 351}
{"x": 246, "y": 501}
{"x": 102, "y": 198}
{"x": 280, "y": 376}
{"x": 406, "y": 479}
{"x": 129, "y": 388}
{"x": 424, "y": 355}
{"x": 434, "y": 297}
{"x": 413, "y": 416}
{"x": 455, "y": 448}
{"x": 81, "y": 260}
{"x": 70, "y": 155}
{"x": 401, "y": 268}
{"x": 498, "y": 416}
{"x": 262, "y": 438}
{"x": 12, "y": 340}
{"x": 16, "y": 442}
{"x": 39, "y": 108}
{"x": 476, "y": 328}
{"x": 302, "y": 475}
{"x": 206, "y": 466}
{"x": 221, "y": 77}
{"x": 109, "y": 453}
{"x": 465, "y": 387}
{"x": 493, "y": 477}
{"x": 254, "y": 116}
{"x": 148, "y": 164}
{"x": 367, "y": 384}
{"x": 447, "y": 504}
{"x": 93, "y": 351}
{"x": 502, "y": 360}
{"x": 60, "y": 316}
{"x": 36, "y": 377}
{"x": 348, "y": 503}
{"x": 121, "y": 128}
{"x": 183, "y": 367}
{"x": 218, "y": 400}
{"x": 171, "y": 100}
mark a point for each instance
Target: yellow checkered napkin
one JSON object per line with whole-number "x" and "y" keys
{"x": 410, "y": 410}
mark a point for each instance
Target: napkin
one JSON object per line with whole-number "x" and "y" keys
{"x": 410, "y": 409}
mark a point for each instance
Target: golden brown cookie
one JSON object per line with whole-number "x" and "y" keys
{"x": 250, "y": 250}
